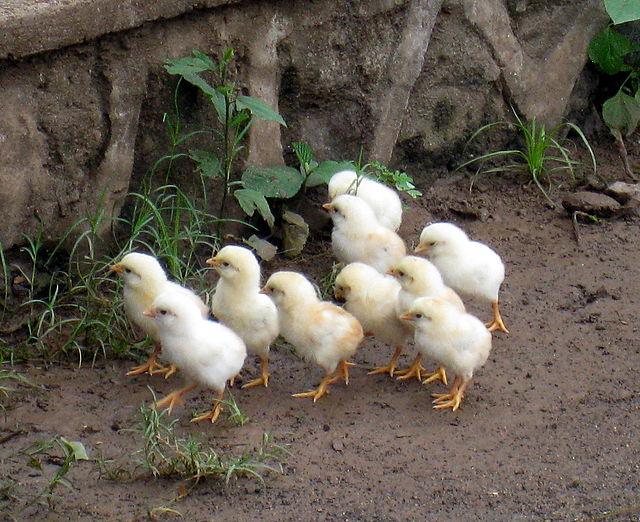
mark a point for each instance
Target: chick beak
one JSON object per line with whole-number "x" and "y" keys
{"x": 420, "y": 248}
{"x": 391, "y": 272}
{"x": 212, "y": 261}
{"x": 116, "y": 268}
{"x": 149, "y": 313}
{"x": 406, "y": 317}
{"x": 264, "y": 291}
{"x": 327, "y": 206}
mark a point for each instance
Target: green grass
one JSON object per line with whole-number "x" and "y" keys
{"x": 543, "y": 153}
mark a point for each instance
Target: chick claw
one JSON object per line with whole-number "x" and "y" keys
{"x": 150, "y": 367}
{"x": 173, "y": 398}
{"x": 496, "y": 323}
{"x": 168, "y": 371}
{"x": 415, "y": 370}
{"x": 389, "y": 368}
{"x": 211, "y": 416}
{"x": 264, "y": 377}
{"x": 439, "y": 375}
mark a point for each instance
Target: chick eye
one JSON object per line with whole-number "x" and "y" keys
{"x": 224, "y": 263}
{"x": 127, "y": 271}
{"x": 419, "y": 316}
{"x": 400, "y": 273}
{"x": 163, "y": 312}
{"x": 432, "y": 243}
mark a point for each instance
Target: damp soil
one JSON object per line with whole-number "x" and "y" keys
{"x": 548, "y": 429}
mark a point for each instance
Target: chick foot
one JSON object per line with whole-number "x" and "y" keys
{"x": 389, "y": 368}
{"x": 439, "y": 375}
{"x": 168, "y": 371}
{"x": 496, "y": 323}
{"x": 150, "y": 367}
{"x": 213, "y": 415}
{"x": 264, "y": 377}
{"x": 342, "y": 372}
{"x": 174, "y": 398}
{"x": 415, "y": 370}
{"x": 453, "y": 399}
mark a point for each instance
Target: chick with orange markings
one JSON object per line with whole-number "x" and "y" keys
{"x": 372, "y": 298}
{"x": 469, "y": 267}
{"x": 383, "y": 200}
{"x": 144, "y": 280}
{"x": 238, "y": 303}
{"x": 321, "y": 332}
{"x": 207, "y": 353}
{"x": 456, "y": 340}
{"x": 420, "y": 278}
{"x": 358, "y": 236}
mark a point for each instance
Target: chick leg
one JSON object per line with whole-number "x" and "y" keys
{"x": 456, "y": 395}
{"x": 215, "y": 411}
{"x": 415, "y": 370}
{"x": 150, "y": 365}
{"x": 264, "y": 377}
{"x": 343, "y": 371}
{"x": 389, "y": 368}
{"x": 496, "y": 323}
{"x": 174, "y": 398}
{"x": 439, "y": 375}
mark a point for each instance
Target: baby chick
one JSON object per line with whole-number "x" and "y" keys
{"x": 466, "y": 266}
{"x": 357, "y": 235}
{"x": 420, "y": 278}
{"x": 456, "y": 340}
{"x": 238, "y": 303}
{"x": 207, "y": 353}
{"x": 371, "y": 297}
{"x": 383, "y": 200}
{"x": 320, "y": 331}
{"x": 144, "y": 280}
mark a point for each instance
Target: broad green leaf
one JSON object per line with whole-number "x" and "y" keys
{"x": 185, "y": 66}
{"x": 206, "y": 60}
{"x": 259, "y": 109}
{"x": 207, "y": 163}
{"x": 220, "y": 104}
{"x": 607, "y": 50}
{"x": 273, "y": 182}
{"x": 304, "y": 152}
{"x": 200, "y": 83}
{"x": 622, "y": 112}
{"x": 252, "y": 200}
{"x": 75, "y": 448}
{"x": 622, "y": 11}
{"x": 323, "y": 172}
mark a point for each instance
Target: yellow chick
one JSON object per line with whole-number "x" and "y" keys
{"x": 383, "y": 200}
{"x": 357, "y": 235}
{"x": 456, "y": 340}
{"x": 207, "y": 353}
{"x": 371, "y": 297}
{"x": 469, "y": 267}
{"x": 420, "y": 278}
{"x": 238, "y": 303}
{"x": 144, "y": 280}
{"x": 321, "y": 332}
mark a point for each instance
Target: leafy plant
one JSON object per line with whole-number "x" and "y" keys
{"x": 542, "y": 154}
{"x": 396, "y": 179}
{"x": 235, "y": 113}
{"x": 611, "y": 50}
{"x": 7, "y": 376}
{"x": 165, "y": 454}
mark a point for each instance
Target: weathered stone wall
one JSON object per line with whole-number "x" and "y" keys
{"x": 83, "y": 91}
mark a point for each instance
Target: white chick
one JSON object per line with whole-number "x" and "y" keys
{"x": 456, "y": 340}
{"x": 207, "y": 353}
{"x": 238, "y": 303}
{"x": 357, "y": 235}
{"x": 383, "y": 200}
{"x": 371, "y": 297}
{"x": 321, "y": 332}
{"x": 144, "y": 280}
{"x": 420, "y": 278}
{"x": 469, "y": 267}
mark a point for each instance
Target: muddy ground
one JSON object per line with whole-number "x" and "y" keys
{"x": 548, "y": 430}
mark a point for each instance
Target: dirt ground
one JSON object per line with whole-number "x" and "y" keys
{"x": 548, "y": 430}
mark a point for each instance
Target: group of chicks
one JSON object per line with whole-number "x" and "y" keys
{"x": 387, "y": 294}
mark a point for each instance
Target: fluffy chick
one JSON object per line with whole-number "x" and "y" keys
{"x": 321, "y": 332}
{"x": 456, "y": 340}
{"x": 144, "y": 280}
{"x": 238, "y": 303}
{"x": 383, "y": 200}
{"x": 207, "y": 353}
{"x": 469, "y": 267}
{"x": 420, "y": 278}
{"x": 371, "y": 297}
{"x": 357, "y": 235}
